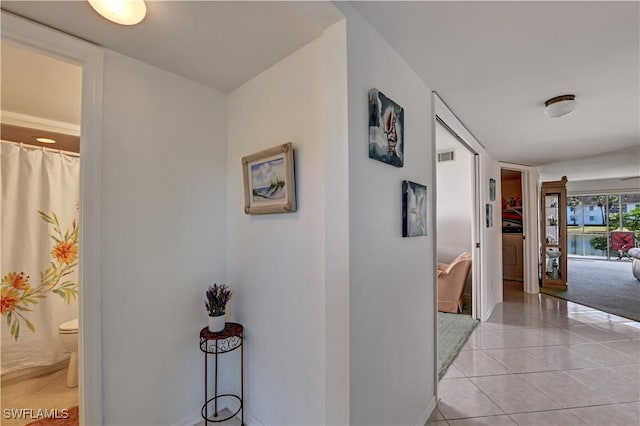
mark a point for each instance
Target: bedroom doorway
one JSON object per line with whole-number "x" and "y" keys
{"x": 456, "y": 217}
{"x": 455, "y": 207}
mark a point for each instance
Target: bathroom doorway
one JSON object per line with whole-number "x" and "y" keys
{"x": 51, "y": 44}
{"x": 39, "y": 207}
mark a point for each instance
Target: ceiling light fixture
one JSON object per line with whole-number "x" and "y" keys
{"x": 560, "y": 105}
{"x": 123, "y": 12}
{"x": 46, "y": 140}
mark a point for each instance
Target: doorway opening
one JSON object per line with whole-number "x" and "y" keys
{"x": 520, "y": 232}
{"x": 456, "y": 214}
{"x": 41, "y": 110}
{"x": 89, "y": 58}
{"x": 512, "y": 228}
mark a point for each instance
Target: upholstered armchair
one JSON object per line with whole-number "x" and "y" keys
{"x": 634, "y": 254}
{"x": 451, "y": 280}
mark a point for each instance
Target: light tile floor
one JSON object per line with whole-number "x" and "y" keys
{"x": 543, "y": 361}
{"x": 44, "y": 392}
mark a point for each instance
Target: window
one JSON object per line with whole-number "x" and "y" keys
{"x": 598, "y": 215}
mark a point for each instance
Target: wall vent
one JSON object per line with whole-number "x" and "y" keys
{"x": 445, "y": 156}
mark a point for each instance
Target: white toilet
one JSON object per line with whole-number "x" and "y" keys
{"x": 69, "y": 336}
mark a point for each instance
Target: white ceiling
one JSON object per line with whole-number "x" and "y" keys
{"x": 221, "y": 44}
{"x": 494, "y": 63}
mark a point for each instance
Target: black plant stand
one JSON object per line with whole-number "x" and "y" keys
{"x": 227, "y": 340}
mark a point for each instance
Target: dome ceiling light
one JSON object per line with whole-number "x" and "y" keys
{"x": 560, "y": 105}
{"x": 46, "y": 140}
{"x": 123, "y": 12}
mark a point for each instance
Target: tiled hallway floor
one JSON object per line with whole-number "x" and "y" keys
{"x": 544, "y": 361}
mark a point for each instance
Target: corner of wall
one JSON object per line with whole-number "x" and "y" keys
{"x": 336, "y": 163}
{"x": 427, "y": 411}
{"x": 298, "y": 261}
{"x": 383, "y": 392}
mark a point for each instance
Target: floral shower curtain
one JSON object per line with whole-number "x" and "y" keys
{"x": 38, "y": 254}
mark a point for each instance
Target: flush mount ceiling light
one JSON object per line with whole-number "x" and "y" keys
{"x": 45, "y": 140}
{"x": 123, "y": 12}
{"x": 560, "y": 105}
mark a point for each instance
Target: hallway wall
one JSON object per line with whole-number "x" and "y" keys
{"x": 392, "y": 278}
{"x": 491, "y": 259}
{"x": 164, "y": 237}
{"x": 297, "y": 365}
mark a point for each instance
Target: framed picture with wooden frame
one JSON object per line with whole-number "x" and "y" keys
{"x": 270, "y": 181}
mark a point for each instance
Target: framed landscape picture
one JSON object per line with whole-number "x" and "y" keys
{"x": 269, "y": 181}
{"x": 386, "y": 129}
{"x": 414, "y": 209}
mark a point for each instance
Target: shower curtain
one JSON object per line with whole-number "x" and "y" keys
{"x": 38, "y": 254}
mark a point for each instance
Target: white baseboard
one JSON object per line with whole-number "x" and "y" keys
{"x": 196, "y": 419}
{"x": 190, "y": 420}
{"x": 233, "y": 406}
{"x": 249, "y": 420}
{"x": 427, "y": 411}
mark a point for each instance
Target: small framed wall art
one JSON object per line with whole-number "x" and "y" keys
{"x": 414, "y": 209}
{"x": 489, "y": 214}
{"x": 492, "y": 189}
{"x": 270, "y": 181}
{"x": 386, "y": 129}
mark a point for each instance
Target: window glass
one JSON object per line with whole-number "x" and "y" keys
{"x": 592, "y": 218}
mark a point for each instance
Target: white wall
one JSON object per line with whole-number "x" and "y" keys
{"x": 608, "y": 165}
{"x": 455, "y": 200}
{"x": 336, "y": 162}
{"x": 601, "y": 186}
{"x": 392, "y": 278}
{"x": 277, "y": 263}
{"x": 164, "y": 238}
{"x": 492, "y": 241}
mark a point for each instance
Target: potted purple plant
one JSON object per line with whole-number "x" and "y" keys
{"x": 216, "y": 302}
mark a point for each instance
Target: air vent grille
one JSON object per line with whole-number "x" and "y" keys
{"x": 445, "y": 156}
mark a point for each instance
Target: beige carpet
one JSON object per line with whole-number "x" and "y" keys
{"x": 453, "y": 332}
{"x": 608, "y": 286}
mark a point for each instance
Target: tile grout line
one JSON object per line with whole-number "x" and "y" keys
{"x": 499, "y": 332}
